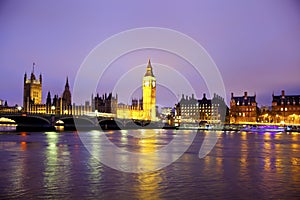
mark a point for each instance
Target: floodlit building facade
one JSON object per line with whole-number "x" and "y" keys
{"x": 145, "y": 108}
{"x": 243, "y": 109}
{"x": 32, "y": 94}
{"x": 285, "y": 109}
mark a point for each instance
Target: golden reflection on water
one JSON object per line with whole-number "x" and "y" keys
{"x": 268, "y": 152}
{"x": 278, "y": 136}
{"x": 147, "y": 145}
{"x": 219, "y": 161}
{"x": 148, "y": 185}
{"x": 244, "y": 153}
{"x": 57, "y": 164}
{"x": 295, "y": 146}
{"x": 275, "y": 158}
{"x": 216, "y": 160}
{"x": 267, "y": 164}
{"x": 95, "y": 172}
{"x": 240, "y": 162}
{"x": 295, "y": 161}
{"x": 295, "y": 168}
{"x": 129, "y": 141}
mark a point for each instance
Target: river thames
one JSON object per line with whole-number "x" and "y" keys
{"x": 56, "y": 165}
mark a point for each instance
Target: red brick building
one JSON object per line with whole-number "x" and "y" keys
{"x": 243, "y": 109}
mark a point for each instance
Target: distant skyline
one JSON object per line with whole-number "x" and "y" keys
{"x": 255, "y": 44}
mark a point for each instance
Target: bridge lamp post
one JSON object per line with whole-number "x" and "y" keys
{"x": 52, "y": 109}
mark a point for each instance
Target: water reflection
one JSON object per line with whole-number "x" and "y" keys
{"x": 19, "y": 173}
{"x": 148, "y": 185}
{"x": 23, "y": 146}
{"x": 57, "y": 166}
{"x": 141, "y": 148}
{"x": 244, "y": 149}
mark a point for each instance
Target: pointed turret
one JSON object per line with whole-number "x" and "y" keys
{"x": 67, "y": 84}
{"x": 33, "y": 64}
{"x": 32, "y": 76}
{"x": 25, "y": 77}
{"x": 149, "y": 71}
{"x": 48, "y": 100}
{"x": 66, "y": 97}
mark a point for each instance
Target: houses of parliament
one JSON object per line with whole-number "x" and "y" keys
{"x": 285, "y": 109}
{"x": 32, "y": 97}
{"x": 142, "y": 109}
{"x": 145, "y": 108}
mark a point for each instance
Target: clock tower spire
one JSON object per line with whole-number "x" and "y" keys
{"x": 149, "y": 94}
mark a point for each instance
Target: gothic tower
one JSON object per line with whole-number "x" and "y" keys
{"x": 32, "y": 93}
{"x": 149, "y": 94}
{"x": 66, "y": 97}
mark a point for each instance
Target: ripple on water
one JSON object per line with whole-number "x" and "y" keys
{"x": 240, "y": 166}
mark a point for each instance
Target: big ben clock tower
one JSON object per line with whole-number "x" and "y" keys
{"x": 149, "y": 94}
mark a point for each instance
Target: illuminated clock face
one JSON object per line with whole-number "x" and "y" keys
{"x": 146, "y": 83}
{"x": 153, "y": 83}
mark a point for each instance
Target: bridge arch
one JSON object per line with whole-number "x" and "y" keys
{"x": 111, "y": 124}
{"x": 78, "y": 121}
{"x": 28, "y": 119}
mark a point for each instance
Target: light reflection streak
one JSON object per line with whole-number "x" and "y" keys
{"x": 23, "y": 146}
{"x": 148, "y": 185}
{"x": 19, "y": 171}
{"x": 243, "y": 153}
{"x": 95, "y": 171}
{"x": 57, "y": 165}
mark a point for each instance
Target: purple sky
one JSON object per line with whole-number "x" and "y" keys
{"x": 255, "y": 44}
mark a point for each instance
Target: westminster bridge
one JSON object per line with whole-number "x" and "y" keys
{"x": 34, "y": 121}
